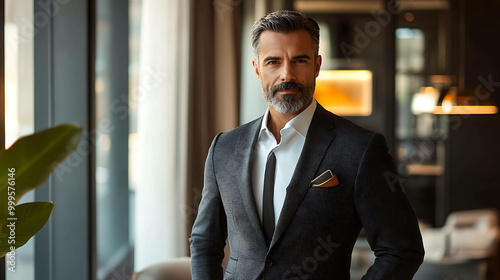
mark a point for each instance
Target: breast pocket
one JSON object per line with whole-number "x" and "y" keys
{"x": 319, "y": 208}
{"x": 323, "y": 198}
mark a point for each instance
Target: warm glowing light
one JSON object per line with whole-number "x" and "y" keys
{"x": 452, "y": 105}
{"x": 345, "y": 92}
{"x": 422, "y": 169}
{"x": 465, "y": 110}
{"x": 449, "y": 101}
{"x": 424, "y": 101}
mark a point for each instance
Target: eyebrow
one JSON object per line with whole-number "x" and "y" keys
{"x": 269, "y": 58}
{"x": 301, "y": 56}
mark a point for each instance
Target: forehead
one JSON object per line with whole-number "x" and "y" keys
{"x": 274, "y": 43}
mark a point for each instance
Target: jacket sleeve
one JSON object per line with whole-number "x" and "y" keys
{"x": 386, "y": 215}
{"x": 208, "y": 235}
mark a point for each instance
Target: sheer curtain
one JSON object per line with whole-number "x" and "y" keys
{"x": 188, "y": 91}
{"x": 162, "y": 99}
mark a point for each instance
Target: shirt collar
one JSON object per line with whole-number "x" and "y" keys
{"x": 299, "y": 123}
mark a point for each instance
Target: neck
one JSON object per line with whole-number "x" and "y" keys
{"x": 276, "y": 120}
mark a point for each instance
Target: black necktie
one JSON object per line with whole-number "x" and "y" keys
{"x": 268, "y": 205}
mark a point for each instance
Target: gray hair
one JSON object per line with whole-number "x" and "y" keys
{"x": 283, "y": 22}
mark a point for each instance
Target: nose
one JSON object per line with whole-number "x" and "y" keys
{"x": 287, "y": 72}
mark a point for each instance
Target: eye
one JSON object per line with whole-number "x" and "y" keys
{"x": 301, "y": 60}
{"x": 272, "y": 62}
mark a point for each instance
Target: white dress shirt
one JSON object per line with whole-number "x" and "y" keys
{"x": 287, "y": 152}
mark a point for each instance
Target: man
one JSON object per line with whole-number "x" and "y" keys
{"x": 292, "y": 189}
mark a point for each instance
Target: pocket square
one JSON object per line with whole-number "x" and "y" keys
{"x": 326, "y": 179}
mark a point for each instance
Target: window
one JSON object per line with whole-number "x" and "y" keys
{"x": 116, "y": 71}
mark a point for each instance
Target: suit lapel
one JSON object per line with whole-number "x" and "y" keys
{"x": 319, "y": 137}
{"x": 244, "y": 155}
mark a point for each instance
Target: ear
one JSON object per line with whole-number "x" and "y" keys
{"x": 256, "y": 68}
{"x": 319, "y": 60}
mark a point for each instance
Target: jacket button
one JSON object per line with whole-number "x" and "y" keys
{"x": 269, "y": 263}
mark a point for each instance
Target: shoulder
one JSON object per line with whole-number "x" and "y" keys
{"x": 359, "y": 140}
{"x": 346, "y": 129}
{"x": 349, "y": 137}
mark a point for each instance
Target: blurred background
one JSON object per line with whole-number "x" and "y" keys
{"x": 153, "y": 81}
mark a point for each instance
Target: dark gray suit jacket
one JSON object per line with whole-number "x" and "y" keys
{"x": 317, "y": 227}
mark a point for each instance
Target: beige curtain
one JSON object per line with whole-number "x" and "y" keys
{"x": 214, "y": 85}
{"x": 162, "y": 108}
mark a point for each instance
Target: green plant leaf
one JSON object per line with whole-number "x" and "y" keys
{"x": 34, "y": 157}
{"x": 31, "y": 217}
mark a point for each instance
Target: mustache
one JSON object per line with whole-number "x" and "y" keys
{"x": 287, "y": 86}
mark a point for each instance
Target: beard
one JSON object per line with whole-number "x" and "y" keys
{"x": 291, "y": 103}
